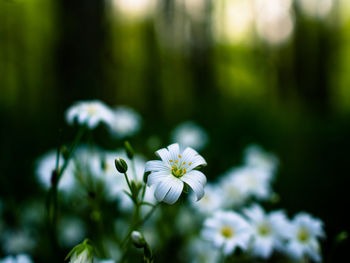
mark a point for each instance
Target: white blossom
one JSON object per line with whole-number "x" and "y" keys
{"x": 89, "y": 113}
{"x": 189, "y": 134}
{"x": 269, "y": 230}
{"x": 227, "y": 230}
{"x": 232, "y": 193}
{"x": 253, "y": 181}
{"x": 125, "y": 122}
{"x": 175, "y": 169}
{"x": 255, "y": 156}
{"x": 303, "y": 237}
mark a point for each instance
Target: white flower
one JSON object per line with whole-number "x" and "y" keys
{"x": 211, "y": 201}
{"x": 125, "y": 122}
{"x": 253, "y": 181}
{"x": 227, "y": 230}
{"x": 269, "y": 230}
{"x": 89, "y": 113}
{"x": 81, "y": 253}
{"x": 256, "y": 157}
{"x": 175, "y": 169}
{"x": 303, "y": 238}
{"x": 45, "y": 167}
{"x": 83, "y": 257}
{"x": 189, "y": 134}
{"x": 232, "y": 193}
{"x": 20, "y": 258}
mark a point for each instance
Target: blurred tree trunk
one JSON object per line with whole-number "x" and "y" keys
{"x": 80, "y": 49}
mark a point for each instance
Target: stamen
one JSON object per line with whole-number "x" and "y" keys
{"x": 190, "y": 163}
{"x": 184, "y": 170}
{"x": 179, "y": 156}
{"x": 183, "y": 163}
{"x": 176, "y": 161}
{"x": 171, "y": 161}
{"x": 173, "y": 166}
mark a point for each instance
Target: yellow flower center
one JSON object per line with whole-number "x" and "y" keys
{"x": 303, "y": 235}
{"x": 178, "y": 171}
{"x": 264, "y": 229}
{"x": 227, "y": 232}
{"x": 91, "y": 109}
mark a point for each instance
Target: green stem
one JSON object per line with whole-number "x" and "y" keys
{"x": 53, "y": 202}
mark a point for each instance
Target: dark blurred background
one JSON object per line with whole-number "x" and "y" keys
{"x": 274, "y": 73}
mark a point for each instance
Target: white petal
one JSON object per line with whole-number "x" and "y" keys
{"x": 174, "y": 150}
{"x": 156, "y": 166}
{"x": 195, "y": 184}
{"x": 189, "y": 154}
{"x": 200, "y": 177}
{"x": 156, "y": 177}
{"x": 163, "y": 188}
{"x": 164, "y": 155}
{"x": 174, "y": 192}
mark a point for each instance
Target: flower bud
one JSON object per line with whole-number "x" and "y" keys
{"x": 137, "y": 239}
{"x": 121, "y": 165}
{"x": 81, "y": 253}
{"x": 129, "y": 150}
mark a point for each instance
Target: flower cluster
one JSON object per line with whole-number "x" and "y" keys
{"x": 233, "y": 219}
{"x": 120, "y": 198}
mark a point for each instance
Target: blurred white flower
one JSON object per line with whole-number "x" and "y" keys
{"x": 15, "y": 242}
{"x": 232, "y": 193}
{"x": 20, "y": 258}
{"x": 253, "y": 182}
{"x": 227, "y": 230}
{"x": 45, "y": 167}
{"x": 255, "y": 156}
{"x": 269, "y": 230}
{"x": 316, "y": 8}
{"x": 87, "y": 162}
{"x": 211, "y": 201}
{"x": 175, "y": 169}
{"x": 303, "y": 238}
{"x": 98, "y": 260}
{"x": 89, "y": 113}
{"x": 189, "y": 134}
{"x": 201, "y": 251}
{"x": 125, "y": 122}
{"x": 71, "y": 230}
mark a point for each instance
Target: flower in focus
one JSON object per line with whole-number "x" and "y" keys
{"x": 45, "y": 167}
{"x": 227, "y": 230}
{"x": 89, "y": 113}
{"x": 175, "y": 169}
{"x": 211, "y": 201}
{"x": 81, "y": 253}
{"x": 268, "y": 230}
{"x": 125, "y": 122}
{"x": 20, "y": 258}
{"x": 189, "y": 134}
{"x": 303, "y": 237}
{"x": 256, "y": 157}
